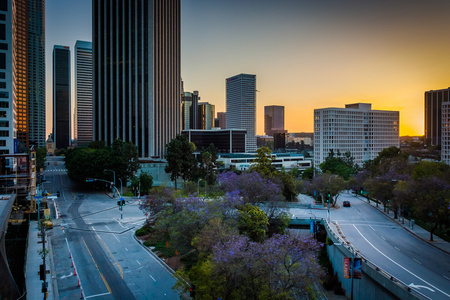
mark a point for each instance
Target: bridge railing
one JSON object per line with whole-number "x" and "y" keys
{"x": 397, "y": 282}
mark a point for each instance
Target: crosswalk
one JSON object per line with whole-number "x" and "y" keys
{"x": 56, "y": 170}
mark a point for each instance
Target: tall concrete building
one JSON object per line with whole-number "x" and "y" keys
{"x": 241, "y": 106}
{"x": 189, "y": 110}
{"x": 36, "y": 72}
{"x": 445, "y": 139}
{"x": 273, "y": 119}
{"x": 61, "y": 97}
{"x": 8, "y": 104}
{"x": 136, "y": 67}
{"x": 356, "y": 128}
{"x": 83, "y": 93}
{"x": 222, "y": 116}
{"x": 206, "y": 113}
{"x": 433, "y": 115}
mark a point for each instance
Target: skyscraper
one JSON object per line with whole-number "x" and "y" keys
{"x": 8, "y": 105}
{"x": 136, "y": 67}
{"x": 36, "y": 72}
{"x": 206, "y": 112}
{"x": 61, "y": 96}
{"x": 274, "y": 119}
{"x": 433, "y": 115}
{"x": 83, "y": 93}
{"x": 189, "y": 110}
{"x": 357, "y": 129}
{"x": 445, "y": 140}
{"x": 241, "y": 106}
{"x": 222, "y": 116}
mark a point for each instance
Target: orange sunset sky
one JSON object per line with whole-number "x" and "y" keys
{"x": 306, "y": 54}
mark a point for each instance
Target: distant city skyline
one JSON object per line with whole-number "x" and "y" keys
{"x": 306, "y": 55}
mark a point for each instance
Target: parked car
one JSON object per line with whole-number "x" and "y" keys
{"x": 347, "y": 204}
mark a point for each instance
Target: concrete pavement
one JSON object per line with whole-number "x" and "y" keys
{"x": 413, "y": 228}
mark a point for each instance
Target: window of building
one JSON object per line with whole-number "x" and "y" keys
{"x": 4, "y": 5}
{"x": 2, "y": 114}
{"x": 2, "y": 85}
{"x": 4, "y": 133}
{"x": 2, "y": 60}
{"x": 4, "y": 123}
{"x": 2, "y": 143}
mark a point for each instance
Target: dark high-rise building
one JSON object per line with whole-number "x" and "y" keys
{"x": 241, "y": 106}
{"x": 433, "y": 115}
{"x": 274, "y": 119}
{"x": 136, "y": 67}
{"x": 61, "y": 96}
{"x": 83, "y": 93}
{"x": 222, "y": 116}
{"x": 189, "y": 110}
{"x": 206, "y": 112}
{"x": 36, "y": 72}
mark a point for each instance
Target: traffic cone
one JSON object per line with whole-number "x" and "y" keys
{"x": 74, "y": 271}
{"x": 81, "y": 294}
{"x": 72, "y": 263}
{"x": 70, "y": 255}
{"x": 78, "y": 278}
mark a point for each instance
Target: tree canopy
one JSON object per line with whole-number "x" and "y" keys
{"x": 180, "y": 158}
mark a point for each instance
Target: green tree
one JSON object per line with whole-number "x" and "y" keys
{"x": 263, "y": 162}
{"x": 180, "y": 158}
{"x": 338, "y": 164}
{"x": 41, "y": 154}
{"x": 253, "y": 222}
{"x": 308, "y": 174}
{"x": 143, "y": 183}
{"x": 289, "y": 186}
{"x": 125, "y": 160}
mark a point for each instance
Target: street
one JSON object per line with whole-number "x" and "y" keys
{"x": 110, "y": 263}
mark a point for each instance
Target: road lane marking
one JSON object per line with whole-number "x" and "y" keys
{"x": 152, "y": 278}
{"x": 126, "y": 249}
{"x": 417, "y": 261}
{"x": 138, "y": 262}
{"x": 113, "y": 233}
{"x": 383, "y": 237}
{"x": 98, "y": 295}
{"x": 408, "y": 271}
{"x": 396, "y": 248}
{"x": 103, "y": 278}
{"x": 116, "y": 263}
{"x": 446, "y": 277}
{"x": 372, "y": 227}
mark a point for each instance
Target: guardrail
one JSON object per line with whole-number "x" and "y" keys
{"x": 397, "y": 282}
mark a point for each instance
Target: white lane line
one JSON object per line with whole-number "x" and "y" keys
{"x": 98, "y": 295}
{"x": 446, "y": 277}
{"x": 417, "y": 261}
{"x": 383, "y": 237}
{"x": 396, "y": 248}
{"x": 119, "y": 223}
{"x": 408, "y": 271}
{"x": 372, "y": 227}
{"x": 113, "y": 233}
{"x": 138, "y": 262}
{"x": 126, "y": 249}
{"x": 153, "y": 278}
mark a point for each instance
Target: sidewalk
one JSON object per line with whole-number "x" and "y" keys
{"x": 415, "y": 229}
{"x": 34, "y": 260}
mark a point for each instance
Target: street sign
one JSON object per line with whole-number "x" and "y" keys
{"x": 37, "y": 197}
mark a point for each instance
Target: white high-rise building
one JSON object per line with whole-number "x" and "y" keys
{"x": 445, "y": 137}
{"x": 356, "y": 128}
{"x": 83, "y": 93}
{"x": 241, "y": 106}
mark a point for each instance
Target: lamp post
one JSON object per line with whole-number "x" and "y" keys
{"x": 198, "y": 187}
{"x": 114, "y": 180}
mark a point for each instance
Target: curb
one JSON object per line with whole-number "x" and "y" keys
{"x": 405, "y": 228}
{"x": 154, "y": 255}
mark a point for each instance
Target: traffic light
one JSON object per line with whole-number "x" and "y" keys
{"x": 192, "y": 291}
{"x": 361, "y": 191}
{"x": 41, "y": 273}
{"x": 121, "y": 202}
{"x": 328, "y": 197}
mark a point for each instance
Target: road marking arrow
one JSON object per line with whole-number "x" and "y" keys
{"x": 412, "y": 285}
{"x": 66, "y": 276}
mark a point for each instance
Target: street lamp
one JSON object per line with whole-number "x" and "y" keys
{"x": 114, "y": 176}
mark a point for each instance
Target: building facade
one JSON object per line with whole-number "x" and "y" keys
{"x": 206, "y": 113}
{"x": 189, "y": 110}
{"x": 8, "y": 110}
{"x": 433, "y": 115}
{"x": 225, "y": 140}
{"x": 36, "y": 72}
{"x": 61, "y": 97}
{"x": 445, "y": 141}
{"x": 357, "y": 129}
{"x": 83, "y": 93}
{"x": 136, "y": 67}
{"x": 243, "y": 161}
{"x": 241, "y": 106}
{"x": 222, "y": 116}
{"x": 274, "y": 119}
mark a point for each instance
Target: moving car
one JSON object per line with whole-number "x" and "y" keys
{"x": 347, "y": 204}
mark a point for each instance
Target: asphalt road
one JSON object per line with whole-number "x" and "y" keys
{"x": 110, "y": 263}
{"x": 394, "y": 249}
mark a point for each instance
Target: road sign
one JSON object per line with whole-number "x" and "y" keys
{"x": 37, "y": 197}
